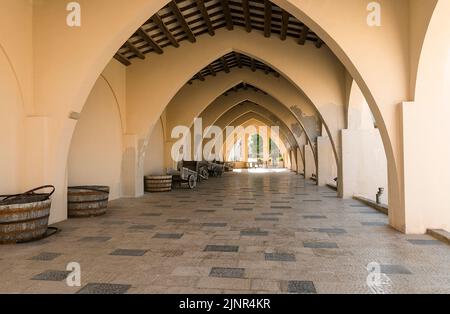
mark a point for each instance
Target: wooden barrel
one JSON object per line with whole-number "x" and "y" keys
{"x": 154, "y": 184}
{"x": 24, "y": 217}
{"x": 87, "y": 201}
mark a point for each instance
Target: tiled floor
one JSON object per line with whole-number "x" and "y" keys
{"x": 243, "y": 233}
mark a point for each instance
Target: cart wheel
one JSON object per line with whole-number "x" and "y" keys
{"x": 192, "y": 182}
{"x": 205, "y": 174}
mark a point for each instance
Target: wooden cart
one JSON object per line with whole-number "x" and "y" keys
{"x": 184, "y": 176}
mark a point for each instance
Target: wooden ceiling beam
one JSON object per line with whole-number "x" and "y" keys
{"x": 200, "y": 76}
{"x": 157, "y": 20}
{"x": 303, "y": 35}
{"x": 135, "y": 50}
{"x": 225, "y": 65}
{"x": 253, "y": 64}
{"x": 284, "y": 25}
{"x": 246, "y": 8}
{"x": 143, "y": 34}
{"x": 319, "y": 43}
{"x": 227, "y": 14}
{"x": 205, "y": 15}
{"x": 211, "y": 70}
{"x": 119, "y": 57}
{"x": 238, "y": 59}
{"x": 176, "y": 10}
{"x": 267, "y": 18}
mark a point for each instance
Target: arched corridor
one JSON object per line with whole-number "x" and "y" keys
{"x": 321, "y": 119}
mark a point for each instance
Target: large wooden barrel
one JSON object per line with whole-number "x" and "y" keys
{"x": 87, "y": 201}
{"x": 24, "y": 217}
{"x": 155, "y": 184}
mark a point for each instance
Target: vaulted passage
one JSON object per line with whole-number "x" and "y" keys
{"x": 210, "y": 146}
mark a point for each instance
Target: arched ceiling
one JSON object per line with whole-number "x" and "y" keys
{"x": 183, "y": 20}
{"x": 230, "y": 61}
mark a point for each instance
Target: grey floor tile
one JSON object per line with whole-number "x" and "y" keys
{"x": 142, "y": 227}
{"x": 168, "y": 236}
{"x": 127, "y": 252}
{"x": 280, "y": 257}
{"x": 46, "y": 256}
{"x": 95, "y": 239}
{"x": 227, "y": 272}
{"x": 320, "y": 245}
{"x": 299, "y": 287}
{"x": 425, "y": 242}
{"x": 254, "y": 233}
{"x": 104, "y": 288}
{"x": 52, "y": 275}
{"x": 222, "y": 248}
{"x": 395, "y": 270}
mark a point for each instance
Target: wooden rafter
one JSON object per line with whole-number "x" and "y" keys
{"x": 200, "y": 76}
{"x": 319, "y": 43}
{"x": 134, "y": 50}
{"x": 303, "y": 35}
{"x": 225, "y": 65}
{"x": 284, "y": 25}
{"x": 180, "y": 18}
{"x": 253, "y": 64}
{"x": 267, "y": 18}
{"x": 227, "y": 14}
{"x": 246, "y": 9}
{"x": 146, "y": 37}
{"x": 157, "y": 20}
{"x": 119, "y": 57}
{"x": 205, "y": 15}
{"x": 184, "y": 20}
{"x": 211, "y": 70}
{"x": 238, "y": 59}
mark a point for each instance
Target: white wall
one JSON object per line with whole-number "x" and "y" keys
{"x": 364, "y": 164}
{"x": 327, "y": 170}
{"x": 96, "y": 150}
{"x": 154, "y": 156}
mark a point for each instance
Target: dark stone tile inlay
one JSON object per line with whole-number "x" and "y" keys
{"x": 104, "y": 288}
{"x": 314, "y": 217}
{"x": 214, "y": 225}
{"x": 395, "y": 270}
{"x": 151, "y": 215}
{"x": 330, "y": 230}
{"x": 178, "y": 221}
{"x": 222, "y": 248}
{"x": 320, "y": 245}
{"x": 95, "y": 239}
{"x": 374, "y": 224}
{"x": 425, "y": 242}
{"x": 269, "y": 219}
{"x": 52, "y": 275}
{"x": 168, "y": 236}
{"x": 280, "y": 257}
{"x": 254, "y": 233}
{"x": 300, "y": 287}
{"x": 126, "y": 252}
{"x": 227, "y": 272}
{"x": 142, "y": 227}
{"x": 46, "y": 256}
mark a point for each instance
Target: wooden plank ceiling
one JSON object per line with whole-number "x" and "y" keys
{"x": 230, "y": 61}
{"x": 183, "y": 20}
{"x": 243, "y": 86}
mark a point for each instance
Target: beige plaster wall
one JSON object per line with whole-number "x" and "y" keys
{"x": 95, "y": 156}
{"x": 364, "y": 164}
{"x": 154, "y": 156}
